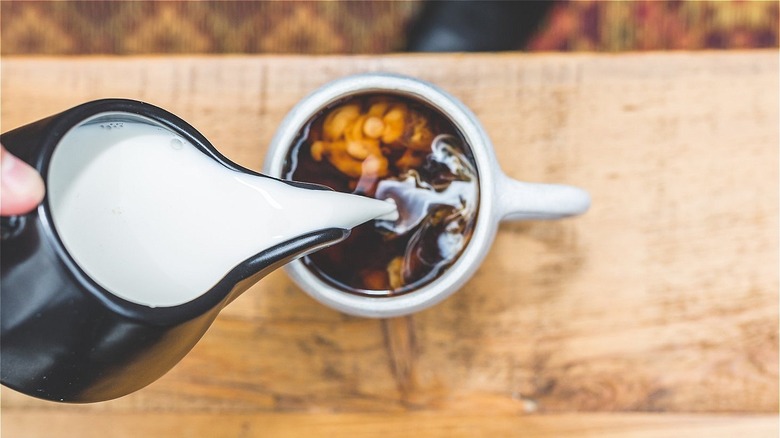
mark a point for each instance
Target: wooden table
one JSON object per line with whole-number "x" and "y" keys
{"x": 656, "y": 314}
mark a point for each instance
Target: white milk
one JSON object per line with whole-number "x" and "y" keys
{"x": 157, "y": 222}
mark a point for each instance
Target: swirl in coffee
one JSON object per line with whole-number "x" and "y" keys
{"x": 390, "y": 147}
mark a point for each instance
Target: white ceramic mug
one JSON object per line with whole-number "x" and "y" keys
{"x": 501, "y": 198}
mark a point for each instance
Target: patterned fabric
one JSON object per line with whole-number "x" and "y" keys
{"x": 659, "y": 25}
{"x": 136, "y": 27}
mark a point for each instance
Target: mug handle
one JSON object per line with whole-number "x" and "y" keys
{"x": 518, "y": 200}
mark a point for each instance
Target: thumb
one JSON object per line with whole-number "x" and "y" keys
{"x": 21, "y": 188}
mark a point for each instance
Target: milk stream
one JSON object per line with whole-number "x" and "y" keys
{"x": 155, "y": 221}
{"x": 418, "y": 199}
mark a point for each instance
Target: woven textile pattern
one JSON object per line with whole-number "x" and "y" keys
{"x": 136, "y": 27}
{"x": 323, "y": 27}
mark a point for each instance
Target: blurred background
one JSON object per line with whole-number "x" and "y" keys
{"x": 660, "y": 320}
{"x": 374, "y": 27}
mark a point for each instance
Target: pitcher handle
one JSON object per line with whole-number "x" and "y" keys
{"x": 518, "y": 200}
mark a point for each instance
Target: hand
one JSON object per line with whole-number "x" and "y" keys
{"x": 21, "y": 188}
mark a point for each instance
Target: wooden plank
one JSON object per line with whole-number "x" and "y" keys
{"x": 664, "y": 297}
{"x": 117, "y": 425}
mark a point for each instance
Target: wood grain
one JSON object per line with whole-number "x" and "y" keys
{"x": 474, "y": 425}
{"x": 663, "y": 298}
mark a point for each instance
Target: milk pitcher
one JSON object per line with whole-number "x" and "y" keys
{"x": 67, "y": 334}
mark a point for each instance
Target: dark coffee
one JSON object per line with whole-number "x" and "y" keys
{"x": 386, "y": 146}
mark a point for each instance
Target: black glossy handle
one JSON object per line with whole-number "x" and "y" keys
{"x": 11, "y": 226}
{"x": 26, "y": 144}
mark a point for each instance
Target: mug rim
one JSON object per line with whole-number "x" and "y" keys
{"x": 488, "y": 172}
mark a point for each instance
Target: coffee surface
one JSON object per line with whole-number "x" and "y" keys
{"x": 390, "y": 147}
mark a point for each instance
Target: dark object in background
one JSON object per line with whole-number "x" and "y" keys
{"x": 476, "y": 26}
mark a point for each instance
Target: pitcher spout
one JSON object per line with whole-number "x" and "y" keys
{"x": 246, "y": 274}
